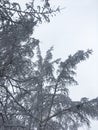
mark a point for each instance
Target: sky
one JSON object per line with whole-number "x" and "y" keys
{"x": 75, "y": 28}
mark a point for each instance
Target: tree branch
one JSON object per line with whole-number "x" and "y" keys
{"x": 22, "y": 107}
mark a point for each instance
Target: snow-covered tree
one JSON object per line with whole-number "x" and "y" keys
{"x": 34, "y": 90}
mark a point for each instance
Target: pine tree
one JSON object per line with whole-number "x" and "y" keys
{"x": 34, "y": 90}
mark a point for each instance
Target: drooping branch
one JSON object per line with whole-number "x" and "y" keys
{"x": 75, "y": 108}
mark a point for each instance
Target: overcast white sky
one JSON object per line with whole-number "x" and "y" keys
{"x": 75, "y": 28}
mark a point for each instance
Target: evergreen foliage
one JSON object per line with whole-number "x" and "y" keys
{"x": 33, "y": 92}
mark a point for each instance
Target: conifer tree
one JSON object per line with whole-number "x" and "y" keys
{"x": 33, "y": 92}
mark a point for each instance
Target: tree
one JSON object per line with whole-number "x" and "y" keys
{"x": 34, "y": 90}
